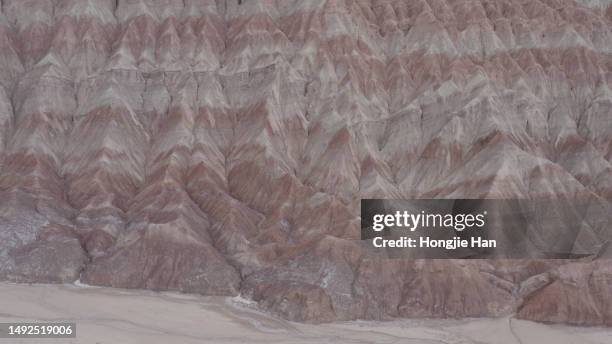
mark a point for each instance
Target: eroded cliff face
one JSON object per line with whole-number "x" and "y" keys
{"x": 221, "y": 147}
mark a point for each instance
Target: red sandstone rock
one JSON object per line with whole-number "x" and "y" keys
{"x": 221, "y": 147}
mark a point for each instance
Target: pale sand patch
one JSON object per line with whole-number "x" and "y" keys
{"x": 105, "y": 315}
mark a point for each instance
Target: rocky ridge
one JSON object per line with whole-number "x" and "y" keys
{"x": 221, "y": 147}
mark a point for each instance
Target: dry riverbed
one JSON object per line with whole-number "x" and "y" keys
{"x": 106, "y": 315}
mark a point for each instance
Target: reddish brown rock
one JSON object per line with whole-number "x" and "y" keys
{"x": 222, "y": 147}
{"x": 576, "y": 293}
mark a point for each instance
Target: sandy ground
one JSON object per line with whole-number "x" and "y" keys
{"x": 105, "y": 315}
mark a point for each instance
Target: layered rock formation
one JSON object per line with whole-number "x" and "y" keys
{"x": 222, "y": 146}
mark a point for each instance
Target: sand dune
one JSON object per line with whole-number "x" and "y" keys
{"x": 105, "y": 315}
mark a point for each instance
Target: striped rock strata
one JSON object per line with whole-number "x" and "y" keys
{"x": 221, "y": 147}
